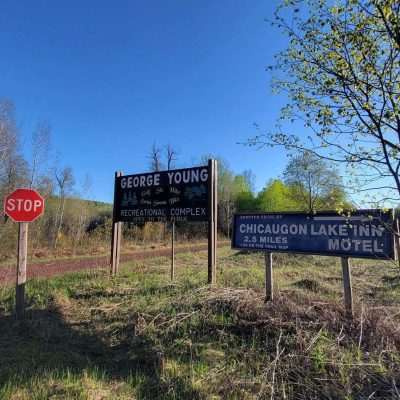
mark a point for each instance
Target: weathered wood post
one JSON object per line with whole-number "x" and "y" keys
{"x": 397, "y": 239}
{"x": 115, "y": 233}
{"x": 22, "y": 206}
{"x": 348, "y": 294}
{"x": 212, "y": 221}
{"x": 173, "y": 250}
{"x": 215, "y": 216}
{"x": 21, "y": 269}
{"x": 269, "y": 278}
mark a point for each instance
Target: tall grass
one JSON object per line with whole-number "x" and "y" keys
{"x": 138, "y": 335}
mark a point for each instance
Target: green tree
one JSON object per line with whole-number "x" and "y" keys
{"x": 235, "y": 192}
{"x": 312, "y": 182}
{"x": 337, "y": 200}
{"x": 341, "y": 73}
{"x": 243, "y": 194}
{"x": 275, "y": 196}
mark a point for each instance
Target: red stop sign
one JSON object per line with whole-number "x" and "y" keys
{"x": 24, "y": 205}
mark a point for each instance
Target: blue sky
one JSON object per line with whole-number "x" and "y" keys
{"x": 111, "y": 78}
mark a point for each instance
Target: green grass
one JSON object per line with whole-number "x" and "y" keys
{"x": 140, "y": 336}
{"x": 127, "y": 248}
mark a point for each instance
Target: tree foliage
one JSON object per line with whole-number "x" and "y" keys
{"x": 275, "y": 197}
{"x": 341, "y": 73}
{"x": 235, "y": 192}
{"x": 13, "y": 167}
{"x": 243, "y": 193}
{"x": 313, "y": 184}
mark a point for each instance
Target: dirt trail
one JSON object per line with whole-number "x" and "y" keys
{"x": 53, "y": 268}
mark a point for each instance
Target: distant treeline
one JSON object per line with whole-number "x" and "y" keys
{"x": 308, "y": 184}
{"x": 72, "y": 225}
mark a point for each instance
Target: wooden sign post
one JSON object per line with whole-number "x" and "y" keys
{"x": 22, "y": 206}
{"x": 187, "y": 194}
{"x": 269, "y": 279}
{"x": 396, "y": 229}
{"x": 212, "y": 221}
{"x": 173, "y": 250}
{"x": 367, "y": 233}
{"x": 21, "y": 269}
{"x": 348, "y": 293}
{"x": 116, "y": 234}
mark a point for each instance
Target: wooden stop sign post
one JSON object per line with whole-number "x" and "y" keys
{"x": 22, "y": 206}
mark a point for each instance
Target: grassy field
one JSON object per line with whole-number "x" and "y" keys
{"x": 139, "y": 336}
{"x": 104, "y": 251}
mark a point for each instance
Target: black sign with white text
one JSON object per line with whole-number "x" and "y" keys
{"x": 180, "y": 195}
{"x": 363, "y": 233}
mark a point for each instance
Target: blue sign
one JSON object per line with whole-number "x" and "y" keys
{"x": 364, "y": 233}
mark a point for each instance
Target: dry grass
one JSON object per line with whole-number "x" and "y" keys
{"x": 140, "y": 336}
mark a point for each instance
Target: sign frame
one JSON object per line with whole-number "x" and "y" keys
{"x": 211, "y": 219}
{"x": 349, "y": 214}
